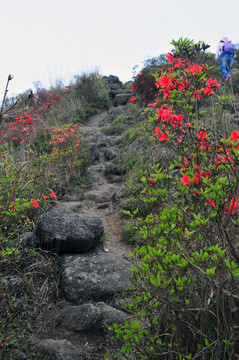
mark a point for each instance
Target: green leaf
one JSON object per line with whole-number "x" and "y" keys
{"x": 211, "y": 271}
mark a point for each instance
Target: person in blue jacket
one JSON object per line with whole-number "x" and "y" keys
{"x": 226, "y": 52}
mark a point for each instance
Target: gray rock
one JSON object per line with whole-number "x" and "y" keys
{"x": 114, "y": 79}
{"x": 111, "y": 315}
{"x": 99, "y": 196}
{"x": 101, "y": 139}
{"x": 85, "y": 317}
{"x": 120, "y": 193}
{"x": 110, "y": 154}
{"x": 116, "y": 111}
{"x": 96, "y": 276}
{"x": 63, "y": 231}
{"x": 93, "y": 178}
{"x": 121, "y": 91}
{"x": 27, "y": 240}
{"x": 112, "y": 179}
{"x": 94, "y": 152}
{"x": 112, "y": 169}
{"x": 89, "y": 317}
{"x": 68, "y": 198}
{"x": 57, "y": 350}
{"x": 122, "y": 99}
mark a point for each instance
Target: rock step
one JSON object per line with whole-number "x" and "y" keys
{"x": 94, "y": 276}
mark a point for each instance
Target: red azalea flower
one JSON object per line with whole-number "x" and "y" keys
{"x": 35, "y": 205}
{"x": 193, "y": 69}
{"x": 185, "y": 166}
{"x": 185, "y": 180}
{"x": 208, "y": 91}
{"x": 133, "y": 99}
{"x": 178, "y": 64}
{"x": 164, "y": 81}
{"x": 234, "y": 136}
{"x": 202, "y": 135}
{"x": 197, "y": 178}
{"x": 163, "y": 137}
{"x": 151, "y": 181}
{"x": 53, "y": 195}
{"x": 169, "y": 56}
{"x": 233, "y": 205}
{"x": 212, "y": 82}
{"x": 212, "y": 202}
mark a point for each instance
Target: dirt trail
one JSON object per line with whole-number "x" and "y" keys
{"x": 95, "y": 198}
{"x": 98, "y": 193}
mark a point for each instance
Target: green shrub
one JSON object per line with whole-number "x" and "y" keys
{"x": 93, "y": 92}
{"x": 185, "y": 271}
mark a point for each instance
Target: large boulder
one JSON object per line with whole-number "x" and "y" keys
{"x": 65, "y": 232}
{"x": 90, "y": 317}
{"x": 86, "y": 317}
{"x": 122, "y": 99}
{"x": 95, "y": 276}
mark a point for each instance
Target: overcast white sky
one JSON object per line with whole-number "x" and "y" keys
{"x": 49, "y": 40}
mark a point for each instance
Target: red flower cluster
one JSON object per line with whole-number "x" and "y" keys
{"x": 35, "y": 203}
{"x": 171, "y": 81}
{"x": 175, "y": 86}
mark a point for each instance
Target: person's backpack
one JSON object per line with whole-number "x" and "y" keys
{"x": 228, "y": 47}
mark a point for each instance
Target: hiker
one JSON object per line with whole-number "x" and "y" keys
{"x": 226, "y": 51}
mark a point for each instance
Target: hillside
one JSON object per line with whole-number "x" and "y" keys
{"x": 111, "y": 197}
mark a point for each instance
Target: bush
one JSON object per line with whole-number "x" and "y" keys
{"x": 93, "y": 92}
{"x": 185, "y": 273}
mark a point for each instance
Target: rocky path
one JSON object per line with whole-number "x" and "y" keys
{"x": 97, "y": 197}
{"x": 75, "y": 327}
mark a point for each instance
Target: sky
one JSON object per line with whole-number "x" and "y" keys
{"x": 50, "y": 41}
